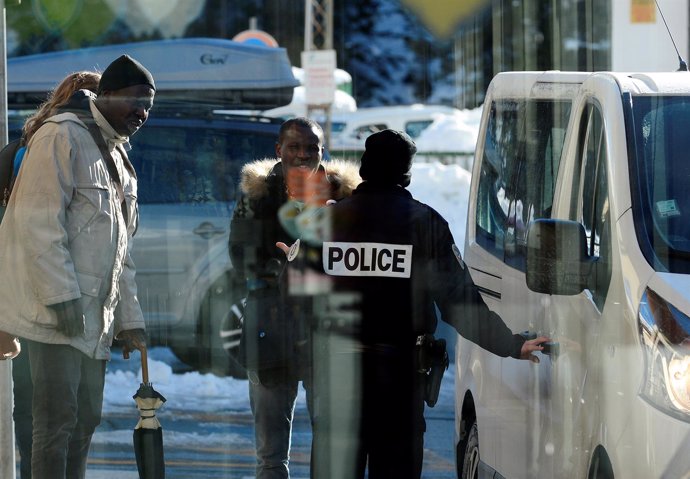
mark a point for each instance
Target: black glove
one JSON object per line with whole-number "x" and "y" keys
{"x": 132, "y": 339}
{"x": 70, "y": 318}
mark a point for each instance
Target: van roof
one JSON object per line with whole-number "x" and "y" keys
{"x": 217, "y": 73}
{"x": 542, "y": 83}
{"x": 654, "y": 82}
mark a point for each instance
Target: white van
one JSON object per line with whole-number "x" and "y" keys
{"x": 579, "y": 229}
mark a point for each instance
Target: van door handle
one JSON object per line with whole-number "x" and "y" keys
{"x": 551, "y": 348}
{"x": 208, "y": 230}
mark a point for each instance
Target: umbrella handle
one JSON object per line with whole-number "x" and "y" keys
{"x": 144, "y": 366}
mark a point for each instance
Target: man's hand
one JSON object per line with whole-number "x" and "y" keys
{"x": 9, "y": 346}
{"x": 283, "y": 247}
{"x": 70, "y": 317}
{"x": 132, "y": 339}
{"x": 530, "y": 346}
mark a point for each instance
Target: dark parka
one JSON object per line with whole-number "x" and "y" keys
{"x": 273, "y": 333}
{"x": 394, "y": 258}
{"x": 395, "y": 311}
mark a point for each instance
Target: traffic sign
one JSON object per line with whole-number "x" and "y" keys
{"x": 319, "y": 76}
{"x": 256, "y": 37}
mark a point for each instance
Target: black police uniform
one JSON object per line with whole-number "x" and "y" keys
{"x": 391, "y": 259}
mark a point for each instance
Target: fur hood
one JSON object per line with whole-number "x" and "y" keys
{"x": 343, "y": 175}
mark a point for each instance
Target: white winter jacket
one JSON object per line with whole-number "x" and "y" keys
{"x": 63, "y": 237}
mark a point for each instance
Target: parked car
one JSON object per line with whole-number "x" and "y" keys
{"x": 349, "y": 130}
{"x": 188, "y": 170}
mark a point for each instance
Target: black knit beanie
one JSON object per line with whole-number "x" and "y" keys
{"x": 387, "y": 158}
{"x": 125, "y": 72}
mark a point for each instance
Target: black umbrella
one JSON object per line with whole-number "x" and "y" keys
{"x": 148, "y": 433}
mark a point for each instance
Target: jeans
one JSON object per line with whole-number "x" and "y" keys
{"x": 23, "y": 391}
{"x": 273, "y": 405}
{"x": 67, "y": 405}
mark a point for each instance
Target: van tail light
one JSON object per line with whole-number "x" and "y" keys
{"x": 665, "y": 334}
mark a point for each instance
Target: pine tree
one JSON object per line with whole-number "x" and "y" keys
{"x": 391, "y": 57}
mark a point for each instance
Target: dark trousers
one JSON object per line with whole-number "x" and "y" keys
{"x": 67, "y": 405}
{"x": 369, "y": 414}
{"x": 23, "y": 392}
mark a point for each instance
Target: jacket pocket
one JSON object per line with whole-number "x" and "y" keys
{"x": 267, "y": 338}
{"x": 89, "y": 284}
{"x": 90, "y": 287}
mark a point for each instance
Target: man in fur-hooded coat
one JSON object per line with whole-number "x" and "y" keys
{"x": 273, "y": 193}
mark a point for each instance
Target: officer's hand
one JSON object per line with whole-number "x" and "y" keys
{"x": 132, "y": 339}
{"x": 9, "y": 346}
{"x": 70, "y": 317}
{"x": 530, "y": 346}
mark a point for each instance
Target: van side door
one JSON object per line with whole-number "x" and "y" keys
{"x": 517, "y": 175}
{"x": 575, "y": 322}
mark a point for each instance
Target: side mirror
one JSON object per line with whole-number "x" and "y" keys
{"x": 557, "y": 261}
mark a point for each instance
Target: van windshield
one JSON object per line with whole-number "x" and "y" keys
{"x": 661, "y": 180}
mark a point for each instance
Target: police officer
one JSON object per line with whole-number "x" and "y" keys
{"x": 390, "y": 259}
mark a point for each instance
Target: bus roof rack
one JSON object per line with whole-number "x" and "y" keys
{"x": 204, "y": 73}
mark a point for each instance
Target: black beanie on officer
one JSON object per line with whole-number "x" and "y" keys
{"x": 125, "y": 72}
{"x": 387, "y": 158}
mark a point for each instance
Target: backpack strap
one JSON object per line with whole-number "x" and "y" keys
{"x": 108, "y": 158}
{"x": 7, "y": 173}
{"x": 79, "y": 104}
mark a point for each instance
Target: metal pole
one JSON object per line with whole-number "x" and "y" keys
{"x": 7, "y": 459}
{"x": 328, "y": 45}
{"x": 308, "y": 27}
{"x": 328, "y": 33}
{"x": 318, "y": 35}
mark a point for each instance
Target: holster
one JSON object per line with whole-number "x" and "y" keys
{"x": 432, "y": 362}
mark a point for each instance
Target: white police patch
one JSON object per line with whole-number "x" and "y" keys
{"x": 367, "y": 259}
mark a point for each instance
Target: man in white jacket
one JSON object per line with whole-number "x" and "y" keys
{"x": 65, "y": 261}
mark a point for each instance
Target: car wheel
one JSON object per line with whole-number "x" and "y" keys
{"x": 216, "y": 343}
{"x": 468, "y": 454}
{"x": 230, "y": 332}
{"x": 220, "y": 329}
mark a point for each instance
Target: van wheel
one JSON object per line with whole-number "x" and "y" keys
{"x": 600, "y": 468}
{"x": 468, "y": 454}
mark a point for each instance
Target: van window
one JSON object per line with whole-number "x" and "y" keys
{"x": 522, "y": 153}
{"x": 338, "y": 126}
{"x": 364, "y": 131}
{"x": 415, "y": 128}
{"x": 594, "y": 202}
